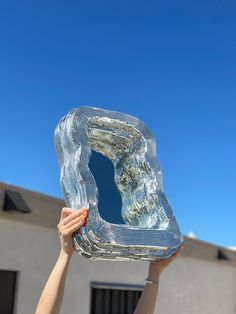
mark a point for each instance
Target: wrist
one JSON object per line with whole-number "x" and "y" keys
{"x": 152, "y": 282}
{"x": 155, "y": 277}
{"x": 65, "y": 255}
{"x": 154, "y": 272}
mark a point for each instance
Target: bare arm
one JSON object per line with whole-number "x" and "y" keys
{"x": 52, "y": 295}
{"x": 148, "y": 298}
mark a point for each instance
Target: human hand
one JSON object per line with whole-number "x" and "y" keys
{"x": 157, "y": 267}
{"x": 70, "y": 222}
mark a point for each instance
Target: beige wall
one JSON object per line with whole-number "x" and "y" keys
{"x": 196, "y": 283}
{"x": 189, "y": 286}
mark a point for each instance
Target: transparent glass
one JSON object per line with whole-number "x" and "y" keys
{"x": 150, "y": 231}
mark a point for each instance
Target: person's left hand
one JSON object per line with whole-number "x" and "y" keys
{"x": 157, "y": 267}
{"x": 70, "y": 222}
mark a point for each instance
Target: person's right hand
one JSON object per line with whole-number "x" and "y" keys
{"x": 70, "y": 221}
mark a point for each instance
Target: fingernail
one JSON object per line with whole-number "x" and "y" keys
{"x": 64, "y": 221}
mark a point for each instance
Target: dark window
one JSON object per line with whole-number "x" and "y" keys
{"x": 222, "y": 256}
{"x": 7, "y": 291}
{"x": 110, "y": 299}
{"x": 15, "y": 201}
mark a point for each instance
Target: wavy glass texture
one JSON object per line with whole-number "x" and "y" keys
{"x": 150, "y": 231}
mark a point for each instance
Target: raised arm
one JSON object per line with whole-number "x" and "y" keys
{"x": 148, "y": 298}
{"x": 52, "y": 295}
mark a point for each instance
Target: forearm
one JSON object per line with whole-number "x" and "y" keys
{"x": 147, "y": 301}
{"x": 148, "y": 298}
{"x": 52, "y": 295}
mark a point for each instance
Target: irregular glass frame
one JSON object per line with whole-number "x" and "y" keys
{"x": 150, "y": 231}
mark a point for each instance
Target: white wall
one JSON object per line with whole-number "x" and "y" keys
{"x": 31, "y": 250}
{"x": 193, "y": 286}
{"x": 189, "y": 285}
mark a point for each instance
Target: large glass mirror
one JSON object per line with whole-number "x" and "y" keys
{"x": 131, "y": 219}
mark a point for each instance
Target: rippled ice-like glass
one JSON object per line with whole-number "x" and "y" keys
{"x": 150, "y": 231}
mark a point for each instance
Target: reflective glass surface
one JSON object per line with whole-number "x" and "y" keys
{"x": 150, "y": 230}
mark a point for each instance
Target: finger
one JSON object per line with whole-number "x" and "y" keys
{"x": 63, "y": 227}
{"x": 179, "y": 250}
{"x": 72, "y": 229}
{"x": 176, "y": 254}
{"x": 74, "y": 215}
{"x": 66, "y": 211}
{"x": 76, "y": 220}
{"x": 67, "y": 224}
{"x": 171, "y": 258}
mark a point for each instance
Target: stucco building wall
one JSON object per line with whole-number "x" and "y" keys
{"x": 197, "y": 282}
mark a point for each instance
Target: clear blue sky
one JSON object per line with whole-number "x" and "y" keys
{"x": 172, "y": 64}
